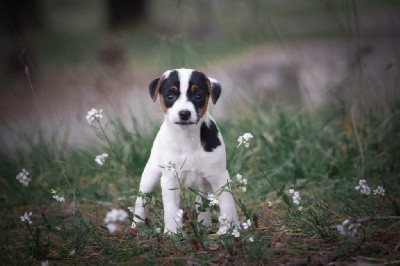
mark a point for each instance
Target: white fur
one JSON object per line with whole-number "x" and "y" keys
{"x": 181, "y": 146}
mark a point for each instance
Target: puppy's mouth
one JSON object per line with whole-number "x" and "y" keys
{"x": 185, "y": 123}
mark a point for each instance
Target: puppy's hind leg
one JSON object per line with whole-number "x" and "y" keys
{"x": 150, "y": 179}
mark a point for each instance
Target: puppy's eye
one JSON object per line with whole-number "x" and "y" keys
{"x": 199, "y": 96}
{"x": 170, "y": 97}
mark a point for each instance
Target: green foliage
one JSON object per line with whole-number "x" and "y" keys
{"x": 317, "y": 153}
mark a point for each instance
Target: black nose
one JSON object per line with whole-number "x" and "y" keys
{"x": 184, "y": 114}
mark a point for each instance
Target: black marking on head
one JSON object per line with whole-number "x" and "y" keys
{"x": 170, "y": 89}
{"x": 198, "y": 92}
{"x": 209, "y": 136}
{"x": 154, "y": 88}
{"x": 215, "y": 91}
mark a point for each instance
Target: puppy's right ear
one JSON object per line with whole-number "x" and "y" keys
{"x": 154, "y": 88}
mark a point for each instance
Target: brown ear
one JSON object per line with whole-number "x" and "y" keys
{"x": 154, "y": 87}
{"x": 214, "y": 88}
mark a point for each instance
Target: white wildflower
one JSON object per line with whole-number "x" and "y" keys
{"x": 169, "y": 166}
{"x": 245, "y": 140}
{"x": 100, "y": 159}
{"x": 235, "y": 232}
{"x": 379, "y": 191}
{"x": 213, "y": 199}
{"x": 26, "y": 217}
{"x": 251, "y": 239}
{"x": 112, "y": 227}
{"x": 115, "y": 215}
{"x": 270, "y": 204}
{"x": 295, "y": 197}
{"x": 72, "y": 252}
{"x": 363, "y": 187}
{"x": 300, "y": 209}
{"x": 246, "y": 224}
{"x": 93, "y": 115}
{"x": 23, "y": 177}
{"x": 347, "y": 228}
{"x": 223, "y": 229}
{"x": 242, "y": 182}
{"x": 57, "y": 197}
{"x": 158, "y": 230}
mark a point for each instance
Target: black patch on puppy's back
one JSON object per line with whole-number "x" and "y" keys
{"x": 209, "y": 136}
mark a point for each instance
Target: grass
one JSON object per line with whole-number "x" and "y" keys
{"x": 322, "y": 154}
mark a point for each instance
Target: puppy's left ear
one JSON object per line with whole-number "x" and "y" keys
{"x": 154, "y": 88}
{"x": 215, "y": 89}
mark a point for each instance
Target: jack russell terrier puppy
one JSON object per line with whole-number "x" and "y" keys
{"x": 190, "y": 140}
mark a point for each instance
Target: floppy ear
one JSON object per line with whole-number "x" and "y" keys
{"x": 154, "y": 88}
{"x": 215, "y": 89}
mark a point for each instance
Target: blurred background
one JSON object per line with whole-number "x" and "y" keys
{"x": 60, "y": 58}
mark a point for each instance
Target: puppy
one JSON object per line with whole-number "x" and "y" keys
{"x": 188, "y": 139}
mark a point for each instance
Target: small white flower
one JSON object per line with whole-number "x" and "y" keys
{"x": 251, "y": 239}
{"x": 93, "y": 115}
{"x": 44, "y": 263}
{"x": 363, "y": 187}
{"x": 300, "y": 208}
{"x": 213, "y": 199}
{"x": 26, "y": 217}
{"x": 379, "y": 191}
{"x": 72, "y": 252}
{"x": 158, "y": 230}
{"x": 347, "y": 228}
{"x": 270, "y": 204}
{"x": 100, "y": 159}
{"x": 23, "y": 177}
{"x": 246, "y": 224}
{"x": 223, "y": 229}
{"x": 242, "y": 182}
{"x": 295, "y": 197}
{"x": 236, "y": 232}
{"x": 115, "y": 215}
{"x": 169, "y": 166}
{"x": 112, "y": 227}
{"x": 245, "y": 140}
{"x": 57, "y": 197}
{"x": 239, "y": 177}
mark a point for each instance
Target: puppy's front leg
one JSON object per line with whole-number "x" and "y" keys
{"x": 171, "y": 197}
{"x": 150, "y": 179}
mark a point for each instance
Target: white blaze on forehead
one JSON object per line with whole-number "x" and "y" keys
{"x": 184, "y": 78}
{"x": 182, "y": 103}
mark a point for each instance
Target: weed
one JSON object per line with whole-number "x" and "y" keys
{"x": 293, "y": 160}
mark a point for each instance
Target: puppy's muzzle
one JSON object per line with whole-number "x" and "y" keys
{"x": 184, "y": 116}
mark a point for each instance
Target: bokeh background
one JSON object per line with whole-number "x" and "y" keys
{"x": 61, "y": 58}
